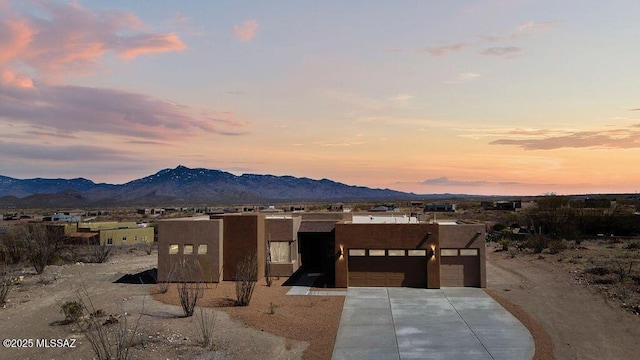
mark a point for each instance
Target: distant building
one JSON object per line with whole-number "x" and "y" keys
{"x": 511, "y": 205}
{"x": 440, "y": 207}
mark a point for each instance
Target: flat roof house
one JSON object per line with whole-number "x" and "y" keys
{"x": 350, "y": 249}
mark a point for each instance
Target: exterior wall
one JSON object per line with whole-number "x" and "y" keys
{"x": 134, "y": 236}
{"x": 190, "y": 232}
{"x": 386, "y": 236}
{"x": 284, "y": 229}
{"x": 466, "y": 236}
{"x": 95, "y": 226}
{"x": 243, "y": 234}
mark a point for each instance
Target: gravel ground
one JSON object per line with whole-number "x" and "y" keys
{"x": 547, "y": 298}
{"x": 310, "y": 319}
{"x": 33, "y": 312}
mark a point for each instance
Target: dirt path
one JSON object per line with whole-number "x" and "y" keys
{"x": 579, "y": 321}
{"x": 34, "y": 308}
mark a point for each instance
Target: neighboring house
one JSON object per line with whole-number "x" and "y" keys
{"x": 511, "y": 205}
{"x": 350, "y": 249}
{"x": 116, "y": 233}
{"x": 437, "y": 207}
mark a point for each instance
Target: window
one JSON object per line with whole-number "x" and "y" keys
{"x": 396, "y": 252}
{"x": 135, "y": 239}
{"x": 356, "y": 252}
{"x": 376, "y": 253}
{"x": 173, "y": 248}
{"x": 448, "y": 252}
{"x": 417, "y": 252}
{"x": 109, "y": 241}
{"x": 468, "y": 252}
{"x": 124, "y": 239}
{"x": 188, "y": 249}
{"x": 202, "y": 249}
{"x": 280, "y": 252}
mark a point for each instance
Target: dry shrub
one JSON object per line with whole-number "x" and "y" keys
{"x": 163, "y": 285}
{"x": 107, "y": 343}
{"x": 6, "y": 284}
{"x": 246, "y": 278}
{"x": 101, "y": 253}
{"x": 188, "y": 291}
{"x": 38, "y": 245}
{"x": 206, "y": 320}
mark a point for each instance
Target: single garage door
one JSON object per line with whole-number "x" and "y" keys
{"x": 393, "y": 268}
{"x": 459, "y": 267}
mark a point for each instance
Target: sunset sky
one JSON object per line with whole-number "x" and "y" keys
{"x": 477, "y": 97}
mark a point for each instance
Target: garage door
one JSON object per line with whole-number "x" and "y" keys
{"x": 376, "y": 267}
{"x": 459, "y": 267}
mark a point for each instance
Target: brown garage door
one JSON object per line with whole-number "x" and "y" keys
{"x": 385, "y": 270}
{"x": 457, "y": 270}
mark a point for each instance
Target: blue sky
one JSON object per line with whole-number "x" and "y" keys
{"x": 483, "y": 97}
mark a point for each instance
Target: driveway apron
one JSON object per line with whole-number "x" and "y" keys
{"x": 447, "y": 323}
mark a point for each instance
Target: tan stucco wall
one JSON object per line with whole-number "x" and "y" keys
{"x": 243, "y": 233}
{"x": 194, "y": 232}
{"x": 133, "y": 235}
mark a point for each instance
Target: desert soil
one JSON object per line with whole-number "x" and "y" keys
{"x": 580, "y": 322}
{"x": 567, "y": 319}
{"x": 33, "y": 312}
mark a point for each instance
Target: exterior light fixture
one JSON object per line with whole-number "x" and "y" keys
{"x": 341, "y": 252}
{"x": 433, "y": 252}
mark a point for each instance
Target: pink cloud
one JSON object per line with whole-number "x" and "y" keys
{"x": 15, "y": 36}
{"x": 72, "y": 39}
{"x": 246, "y": 31}
{"x": 73, "y": 109}
{"x": 622, "y": 138}
{"x": 18, "y": 80}
{"x": 443, "y": 50}
{"x": 147, "y": 44}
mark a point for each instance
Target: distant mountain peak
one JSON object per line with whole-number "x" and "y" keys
{"x": 194, "y": 186}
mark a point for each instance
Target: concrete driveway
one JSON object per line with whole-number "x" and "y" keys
{"x": 447, "y": 323}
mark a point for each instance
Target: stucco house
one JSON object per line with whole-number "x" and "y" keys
{"x": 350, "y": 249}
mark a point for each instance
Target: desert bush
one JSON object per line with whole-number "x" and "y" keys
{"x": 623, "y": 268}
{"x": 272, "y": 308}
{"x": 72, "y": 310}
{"x": 633, "y": 245}
{"x": 504, "y": 243}
{"x": 206, "y": 320}
{"x": 605, "y": 280}
{"x": 557, "y": 246}
{"x": 147, "y": 247}
{"x": 107, "y": 343}
{"x": 188, "y": 291}
{"x": 246, "y": 278}
{"x": 537, "y": 243}
{"x": 13, "y": 244}
{"x": 6, "y": 285}
{"x": 163, "y": 286}
{"x": 39, "y": 248}
{"x": 598, "y": 270}
{"x": 101, "y": 253}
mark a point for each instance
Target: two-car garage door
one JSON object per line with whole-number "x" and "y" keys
{"x": 392, "y": 267}
{"x": 408, "y": 268}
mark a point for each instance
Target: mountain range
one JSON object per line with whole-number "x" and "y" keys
{"x": 183, "y": 185}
